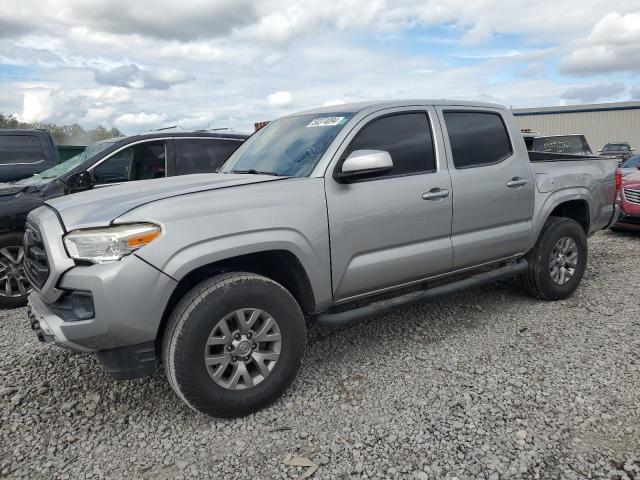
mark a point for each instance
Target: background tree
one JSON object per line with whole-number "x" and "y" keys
{"x": 66, "y": 134}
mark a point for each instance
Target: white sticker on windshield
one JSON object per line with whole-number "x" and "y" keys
{"x": 326, "y": 121}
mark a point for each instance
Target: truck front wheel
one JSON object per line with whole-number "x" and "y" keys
{"x": 234, "y": 344}
{"x": 558, "y": 260}
{"x": 14, "y": 286}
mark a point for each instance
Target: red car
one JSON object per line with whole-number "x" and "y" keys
{"x": 630, "y": 203}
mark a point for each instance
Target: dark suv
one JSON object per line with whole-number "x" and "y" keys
{"x": 108, "y": 162}
{"x": 622, "y": 151}
{"x": 24, "y": 153}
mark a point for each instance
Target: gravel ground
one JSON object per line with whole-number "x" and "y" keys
{"x": 486, "y": 384}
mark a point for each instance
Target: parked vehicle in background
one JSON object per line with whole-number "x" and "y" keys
{"x": 108, "y": 162}
{"x": 630, "y": 203}
{"x": 622, "y": 151}
{"x": 335, "y": 214}
{"x": 574, "y": 144}
{"x": 65, "y": 152}
{"x": 630, "y": 165}
{"x": 24, "y": 153}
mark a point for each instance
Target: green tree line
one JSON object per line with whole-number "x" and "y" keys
{"x": 65, "y": 134}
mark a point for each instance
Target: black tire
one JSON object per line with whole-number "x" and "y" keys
{"x": 11, "y": 240}
{"x": 538, "y": 280}
{"x": 195, "y": 317}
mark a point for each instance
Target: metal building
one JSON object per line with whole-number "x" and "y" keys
{"x": 601, "y": 123}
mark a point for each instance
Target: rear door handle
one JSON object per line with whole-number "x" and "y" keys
{"x": 435, "y": 194}
{"x": 516, "y": 182}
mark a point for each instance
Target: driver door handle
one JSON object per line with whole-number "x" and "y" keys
{"x": 435, "y": 194}
{"x": 516, "y": 182}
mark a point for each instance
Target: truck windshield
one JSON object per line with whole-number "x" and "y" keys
{"x": 54, "y": 172}
{"x": 290, "y": 146}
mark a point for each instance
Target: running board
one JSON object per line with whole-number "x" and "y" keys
{"x": 349, "y": 317}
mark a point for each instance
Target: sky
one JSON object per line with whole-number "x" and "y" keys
{"x": 146, "y": 64}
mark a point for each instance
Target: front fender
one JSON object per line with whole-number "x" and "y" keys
{"x": 206, "y": 227}
{"x": 209, "y": 251}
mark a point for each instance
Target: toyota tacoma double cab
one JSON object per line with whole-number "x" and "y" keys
{"x": 329, "y": 216}
{"x": 105, "y": 163}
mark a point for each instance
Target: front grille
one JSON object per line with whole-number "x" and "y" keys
{"x": 36, "y": 263}
{"x": 632, "y": 196}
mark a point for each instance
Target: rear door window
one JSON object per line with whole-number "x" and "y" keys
{"x": 477, "y": 138}
{"x": 202, "y": 155}
{"x": 20, "y": 149}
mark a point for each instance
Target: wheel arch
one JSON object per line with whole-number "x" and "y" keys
{"x": 281, "y": 266}
{"x": 572, "y": 203}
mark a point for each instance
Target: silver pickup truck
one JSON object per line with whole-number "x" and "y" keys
{"x": 329, "y": 216}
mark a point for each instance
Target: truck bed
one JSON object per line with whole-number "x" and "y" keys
{"x": 558, "y": 157}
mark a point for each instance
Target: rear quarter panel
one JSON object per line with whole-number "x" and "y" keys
{"x": 589, "y": 180}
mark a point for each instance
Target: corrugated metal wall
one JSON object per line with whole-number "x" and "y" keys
{"x": 600, "y": 127}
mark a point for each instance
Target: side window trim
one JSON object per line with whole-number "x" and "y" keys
{"x": 479, "y": 165}
{"x": 369, "y": 121}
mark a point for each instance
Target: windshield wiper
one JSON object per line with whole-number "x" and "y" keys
{"x": 252, "y": 171}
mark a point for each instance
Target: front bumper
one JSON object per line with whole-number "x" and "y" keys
{"x": 127, "y": 300}
{"x": 47, "y": 325}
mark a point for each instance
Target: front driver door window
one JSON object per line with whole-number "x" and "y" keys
{"x": 144, "y": 161}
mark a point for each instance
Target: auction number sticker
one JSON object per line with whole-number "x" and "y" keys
{"x": 326, "y": 121}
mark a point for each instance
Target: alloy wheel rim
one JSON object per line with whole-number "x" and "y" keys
{"x": 13, "y": 281}
{"x": 243, "y": 349}
{"x": 564, "y": 260}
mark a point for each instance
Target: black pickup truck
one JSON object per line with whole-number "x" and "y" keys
{"x": 108, "y": 162}
{"x": 24, "y": 153}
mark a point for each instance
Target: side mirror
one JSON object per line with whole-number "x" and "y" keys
{"x": 80, "y": 181}
{"x": 364, "y": 163}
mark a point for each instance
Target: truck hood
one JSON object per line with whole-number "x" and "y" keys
{"x": 100, "y": 206}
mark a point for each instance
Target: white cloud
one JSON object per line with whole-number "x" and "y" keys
{"x": 37, "y": 105}
{"x": 132, "y": 76}
{"x": 613, "y": 45}
{"x": 280, "y": 99}
{"x": 222, "y": 63}
{"x": 333, "y": 103}
{"x": 592, "y": 93}
{"x": 139, "y": 121}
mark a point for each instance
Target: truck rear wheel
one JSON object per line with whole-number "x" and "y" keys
{"x": 234, "y": 344}
{"x": 14, "y": 286}
{"x": 558, "y": 260}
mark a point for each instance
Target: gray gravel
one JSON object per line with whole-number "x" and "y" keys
{"x": 487, "y": 384}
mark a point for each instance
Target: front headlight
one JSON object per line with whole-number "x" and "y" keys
{"x": 109, "y": 244}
